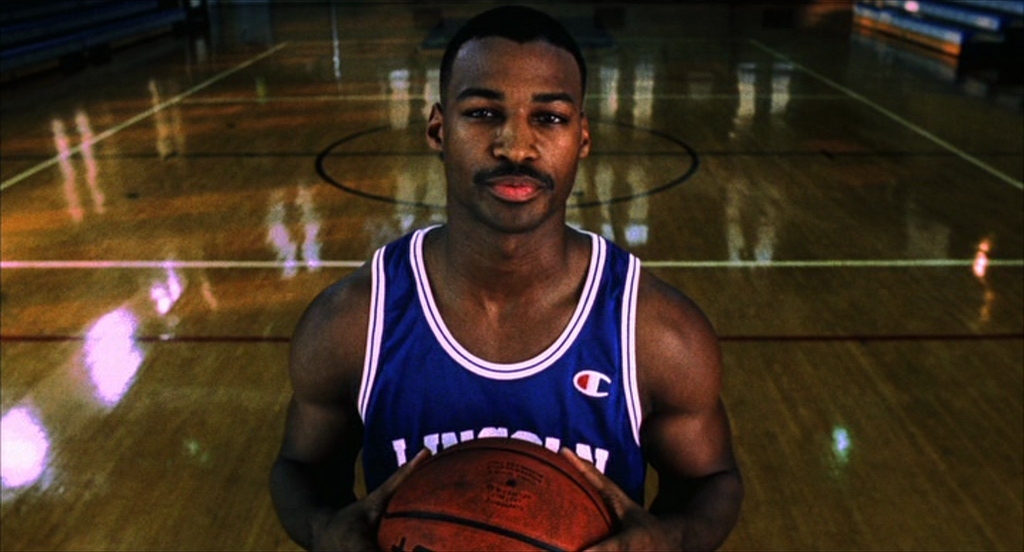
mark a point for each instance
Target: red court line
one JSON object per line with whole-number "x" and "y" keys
{"x": 17, "y": 338}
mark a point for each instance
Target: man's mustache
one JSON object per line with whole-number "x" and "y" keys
{"x": 509, "y": 169}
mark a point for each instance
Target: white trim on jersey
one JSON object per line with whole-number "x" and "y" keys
{"x": 374, "y": 331}
{"x": 628, "y": 335}
{"x": 518, "y": 370}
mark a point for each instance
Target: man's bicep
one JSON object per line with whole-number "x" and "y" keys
{"x": 691, "y": 444}
{"x": 325, "y": 367}
{"x": 317, "y": 433}
{"x": 322, "y": 423}
{"x": 685, "y": 432}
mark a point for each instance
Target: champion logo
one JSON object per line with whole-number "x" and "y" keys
{"x": 591, "y": 383}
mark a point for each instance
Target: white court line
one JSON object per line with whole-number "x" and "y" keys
{"x": 145, "y": 114}
{"x": 950, "y": 147}
{"x": 91, "y": 265}
{"x": 387, "y": 97}
{"x": 838, "y": 263}
{"x": 177, "y": 264}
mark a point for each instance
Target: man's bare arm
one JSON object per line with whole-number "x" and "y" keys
{"x": 313, "y": 475}
{"x": 686, "y": 434}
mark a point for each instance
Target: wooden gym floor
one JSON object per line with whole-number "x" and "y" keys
{"x": 847, "y": 212}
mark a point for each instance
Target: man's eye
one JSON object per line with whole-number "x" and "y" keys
{"x": 551, "y": 119}
{"x": 482, "y": 114}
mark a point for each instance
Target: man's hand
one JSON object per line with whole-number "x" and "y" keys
{"x": 355, "y": 526}
{"x": 638, "y": 529}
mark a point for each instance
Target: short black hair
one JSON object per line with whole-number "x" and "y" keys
{"x": 517, "y": 23}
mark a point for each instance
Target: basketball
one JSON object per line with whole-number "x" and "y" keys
{"x": 494, "y": 494}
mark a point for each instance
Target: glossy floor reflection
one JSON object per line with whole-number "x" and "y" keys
{"x": 848, "y": 212}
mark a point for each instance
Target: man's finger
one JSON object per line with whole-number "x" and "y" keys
{"x": 383, "y": 493}
{"x": 614, "y": 497}
{"x": 607, "y": 545}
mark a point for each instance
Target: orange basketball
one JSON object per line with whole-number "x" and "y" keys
{"x": 494, "y": 494}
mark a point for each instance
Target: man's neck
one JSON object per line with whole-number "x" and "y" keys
{"x": 499, "y": 265}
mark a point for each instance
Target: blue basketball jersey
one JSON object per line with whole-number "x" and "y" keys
{"x": 421, "y": 388}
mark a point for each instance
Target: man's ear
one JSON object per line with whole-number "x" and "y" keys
{"x": 585, "y": 135}
{"x": 435, "y": 129}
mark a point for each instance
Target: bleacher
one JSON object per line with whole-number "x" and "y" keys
{"x": 71, "y": 33}
{"x": 977, "y": 33}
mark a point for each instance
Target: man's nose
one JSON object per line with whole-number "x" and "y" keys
{"x": 515, "y": 141}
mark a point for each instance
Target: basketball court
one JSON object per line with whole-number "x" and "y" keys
{"x": 848, "y": 211}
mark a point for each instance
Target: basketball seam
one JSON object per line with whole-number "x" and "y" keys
{"x": 417, "y": 514}
{"x": 594, "y": 496}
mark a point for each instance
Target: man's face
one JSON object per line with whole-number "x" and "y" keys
{"x": 512, "y": 132}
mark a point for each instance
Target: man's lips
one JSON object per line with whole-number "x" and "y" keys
{"x": 515, "y": 189}
{"x": 514, "y": 183}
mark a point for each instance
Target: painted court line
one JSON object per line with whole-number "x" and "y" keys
{"x": 280, "y": 265}
{"x": 94, "y": 265}
{"x": 939, "y": 141}
{"x": 836, "y": 263}
{"x": 725, "y": 338}
{"x": 410, "y": 97}
{"x": 141, "y": 116}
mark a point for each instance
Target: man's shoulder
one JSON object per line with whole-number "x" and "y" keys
{"x": 344, "y": 299}
{"x": 666, "y": 306}
{"x": 344, "y": 305}
{"x": 328, "y": 345}
{"x": 677, "y": 347}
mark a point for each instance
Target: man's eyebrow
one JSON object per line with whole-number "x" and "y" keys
{"x": 552, "y": 97}
{"x": 489, "y": 94}
{"x": 484, "y": 93}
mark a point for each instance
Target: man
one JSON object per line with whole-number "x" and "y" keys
{"x": 506, "y": 322}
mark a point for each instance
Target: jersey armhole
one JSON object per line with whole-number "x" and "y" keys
{"x": 374, "y": 331}
{"x": 628, "y": 336}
